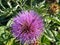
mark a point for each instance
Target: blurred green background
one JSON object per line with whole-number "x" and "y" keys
{"x": 48, "y": 9}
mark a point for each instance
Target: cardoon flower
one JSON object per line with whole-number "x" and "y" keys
{"x": 54, "y": 8}
{"x": 27, "y": 26}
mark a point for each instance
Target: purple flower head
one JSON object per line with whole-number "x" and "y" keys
{"x": 27, "y": 26}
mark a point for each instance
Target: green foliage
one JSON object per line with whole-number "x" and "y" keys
{"x": 10, "y": 8}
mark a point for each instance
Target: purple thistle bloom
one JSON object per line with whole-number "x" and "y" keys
{"x": 27, "y": 26}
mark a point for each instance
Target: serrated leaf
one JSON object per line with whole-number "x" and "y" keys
{"x": 9, "y": 23}
{"x": 2, "y": 28}
{"x": 49, "y": 35}
{"x": 44, "y": 40}
{"x": 55, "y": 20}
{"x": 58, "y": 43}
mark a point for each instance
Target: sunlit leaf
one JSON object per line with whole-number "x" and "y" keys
{"x": 10, "y": 42}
